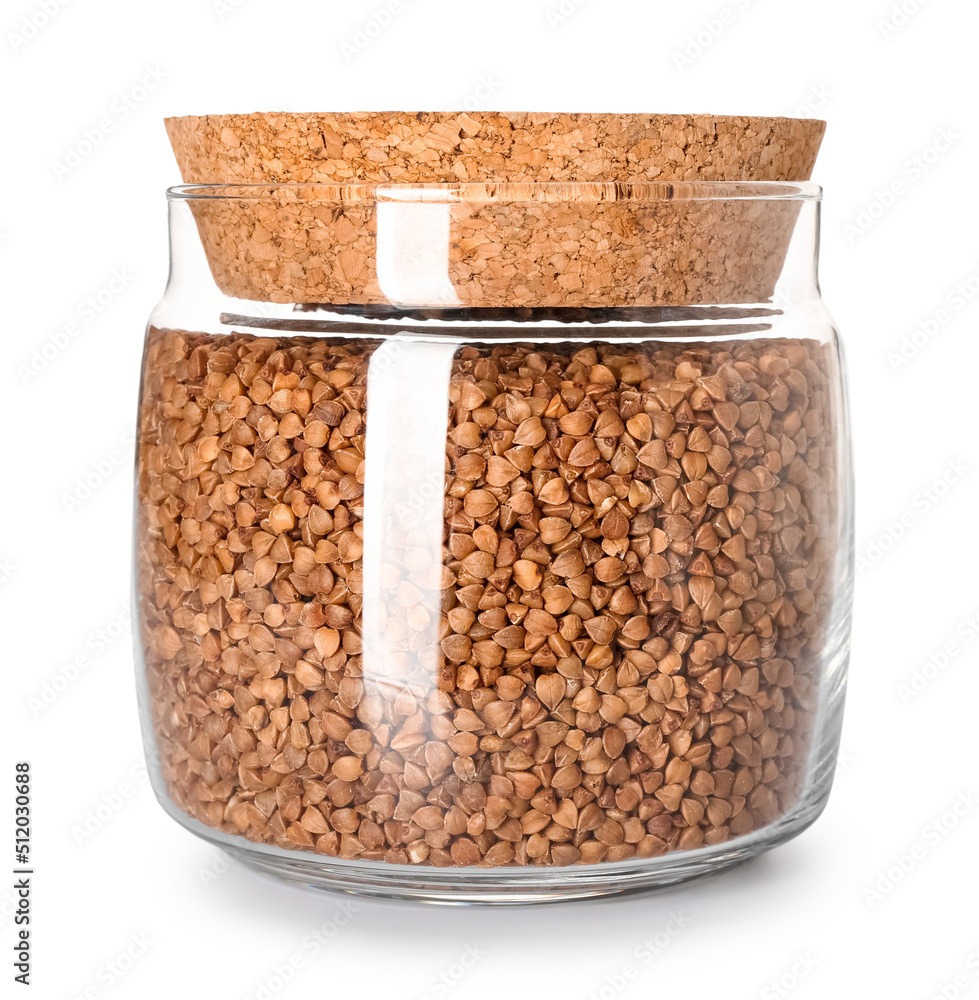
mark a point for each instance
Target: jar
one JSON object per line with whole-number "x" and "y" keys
{"x": 493, "y": 540}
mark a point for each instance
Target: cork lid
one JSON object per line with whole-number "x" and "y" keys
{"x": 490, "y": 209}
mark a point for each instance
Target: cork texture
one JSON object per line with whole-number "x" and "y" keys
{"x": 603, "y": 240}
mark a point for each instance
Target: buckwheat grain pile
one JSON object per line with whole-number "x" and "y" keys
{"x": 638, "y": 554}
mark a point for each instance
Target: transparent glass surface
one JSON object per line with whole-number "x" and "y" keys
{"x": 470, "y": 602}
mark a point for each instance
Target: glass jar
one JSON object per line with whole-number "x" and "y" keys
{"x": 493, "y": 542}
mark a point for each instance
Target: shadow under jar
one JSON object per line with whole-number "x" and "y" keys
{"x": 522, "y": 574}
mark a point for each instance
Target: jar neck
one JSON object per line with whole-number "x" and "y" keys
{"x": 664, "y": 285}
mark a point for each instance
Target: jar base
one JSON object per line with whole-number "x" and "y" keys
{"x": 505, "y": 885}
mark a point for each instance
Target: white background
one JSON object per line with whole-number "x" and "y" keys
{"x": 879, "y": 894}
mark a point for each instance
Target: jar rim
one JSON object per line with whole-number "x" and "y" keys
{"x": 504, "y": 192}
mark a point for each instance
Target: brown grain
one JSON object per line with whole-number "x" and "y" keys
{"x": 637, "y": 563}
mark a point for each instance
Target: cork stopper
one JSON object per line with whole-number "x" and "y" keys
{"x": 579, "y": 210}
